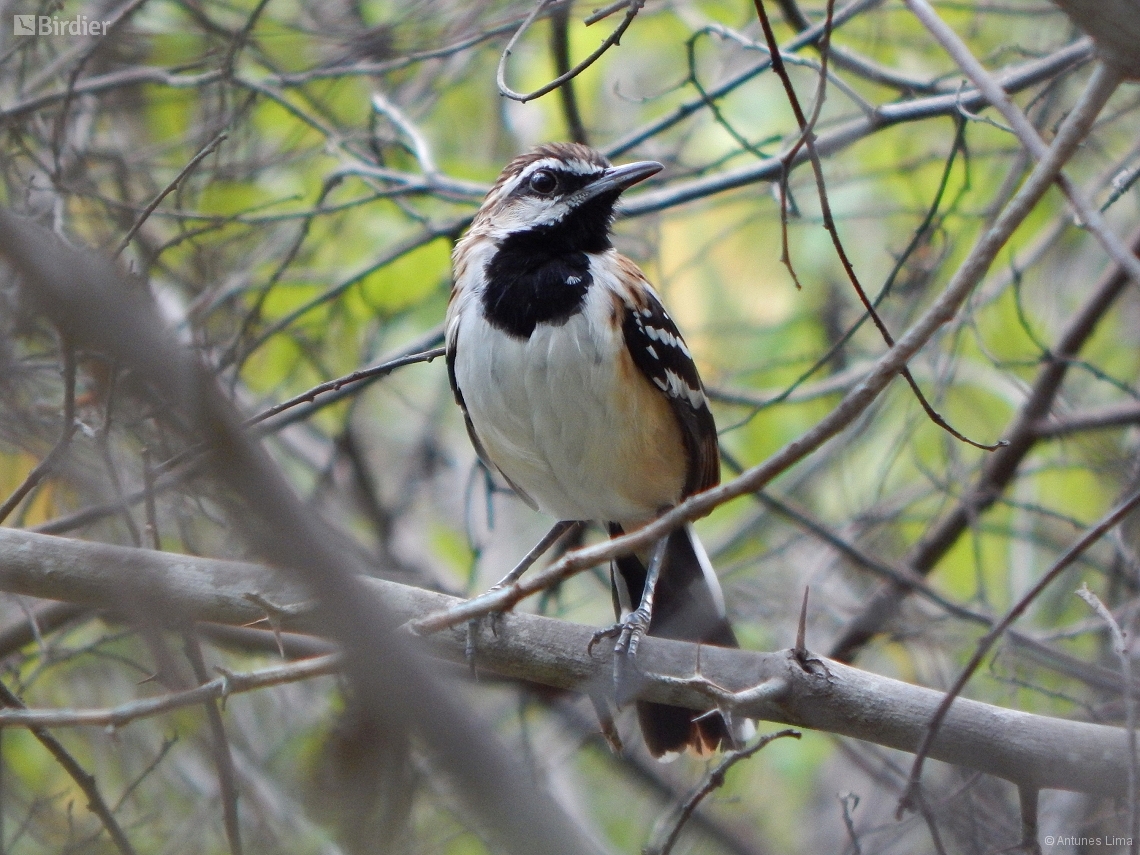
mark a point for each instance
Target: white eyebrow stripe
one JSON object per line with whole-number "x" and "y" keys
{"x": 574, "y": 165}
{"x": 514, "y": 183}
{"x": 545, "y": 163}
{"x": 583, "y": 167}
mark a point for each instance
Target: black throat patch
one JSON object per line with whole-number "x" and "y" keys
{"x": 541, "y": 276}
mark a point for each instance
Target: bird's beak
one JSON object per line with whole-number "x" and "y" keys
{"x": 616, "y": 179}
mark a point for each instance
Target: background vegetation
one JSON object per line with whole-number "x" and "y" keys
{"x": 287, "y": 181}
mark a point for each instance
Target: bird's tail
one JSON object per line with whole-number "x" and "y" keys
{"x": 688, "y": 606}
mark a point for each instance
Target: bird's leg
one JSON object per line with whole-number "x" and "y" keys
{"x": 633, "y": 626}
{"x": 540, "y": 548}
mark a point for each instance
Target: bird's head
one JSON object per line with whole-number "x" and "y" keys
{"x": 564, "y": 190}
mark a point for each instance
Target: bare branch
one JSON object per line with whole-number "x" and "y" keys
{"x": 205, "y": 152}
{"x": 217, "y": 689}
{"x": 634, "y": 6}
{"x": 669, "y": 826}
{"x": 223, "y": 760}
{"x": 83, "y": 779}
{"x": 1000, "y": 468}
{"x": 1123, "y": 651}
{"x": 1018, "y": 746}
{"x": 1094, "y": 533}
{"x": 853, "y": 131}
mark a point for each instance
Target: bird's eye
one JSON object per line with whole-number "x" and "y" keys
{"x": 543, "y": 182}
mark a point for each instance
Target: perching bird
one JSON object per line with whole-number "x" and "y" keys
{"x": 577, "y": 387}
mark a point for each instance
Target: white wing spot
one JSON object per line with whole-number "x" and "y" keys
{"x": 666, "y": 338}
{"x": 678, "y": 388}
{"x": 649, "y": 349}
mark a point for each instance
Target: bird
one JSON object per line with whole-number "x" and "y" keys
{"x": 577, "y": 388}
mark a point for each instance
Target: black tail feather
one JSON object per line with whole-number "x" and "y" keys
{"x": 688, "y": 606}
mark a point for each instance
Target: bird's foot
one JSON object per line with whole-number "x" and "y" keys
{"x": 628, "y": 632}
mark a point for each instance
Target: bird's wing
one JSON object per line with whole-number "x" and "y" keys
{"x": 657, "y": 349}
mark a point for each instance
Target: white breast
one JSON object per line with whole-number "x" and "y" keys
{"x": 556, "y": 419}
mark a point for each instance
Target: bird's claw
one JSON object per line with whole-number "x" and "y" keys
{"x": 635, "y": 625}
{"x": 469, "y": 648}
{"x": 609, "y": 632}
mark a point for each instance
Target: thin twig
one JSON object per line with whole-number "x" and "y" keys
{"x": 1098, "y": 418}
{"x": 1090, "y": 537}
{"x": 241, "y": 37}
{"x": 420, "y": 148}
{"x": 560, "y": 48}
{"x": 372, "y": 373}
{"x": 1122, "y": 649}
{"x": 611, "y": 40}
{"x": 155, "y": 541}
{"x": 83, "y": 779}
{"x": 669, "y": 826}
{"x": 1105, "y": 76}
{"x": 223, "y": 760}
{"x": 604, "y": 12}
{"x": 205, "y": 152}
{"x": 216, "y": 689}
{"x": 931, "y": 824}
{"x": 850, "y": 801}
{"x": 807, "y": 139}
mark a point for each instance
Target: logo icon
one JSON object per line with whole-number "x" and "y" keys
{"x": 53, "y": 25}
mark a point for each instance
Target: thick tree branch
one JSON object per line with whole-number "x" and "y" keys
{"x": 1033, "y": 750}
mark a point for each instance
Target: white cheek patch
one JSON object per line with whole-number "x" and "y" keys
{"x": 527, "y": 213}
